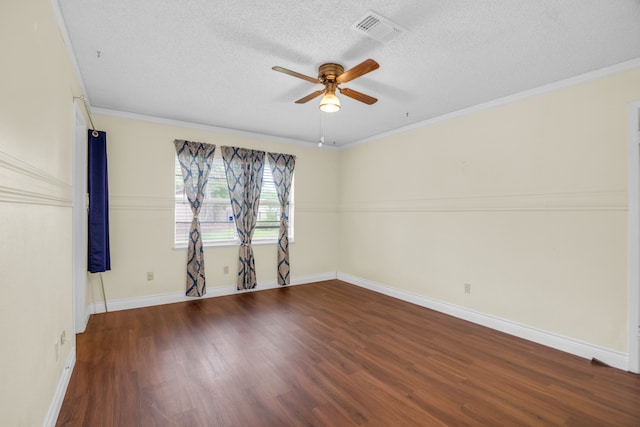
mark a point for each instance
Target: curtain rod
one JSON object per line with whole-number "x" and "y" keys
{"x": 93, "y": 127}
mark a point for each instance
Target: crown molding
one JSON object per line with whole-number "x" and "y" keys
{"x": 57, "y": 11}
{"x": 572, "y": 81}
{"x": 200, "y": 126}
{"x": 541, "y": 90}
{"x": 551, "y": 87}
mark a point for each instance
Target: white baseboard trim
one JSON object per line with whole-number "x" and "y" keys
{"x": 61, "y": 389}
{"x": 151, "y": 300}
{"x": 88, "y": 310}
{"x": 611, "y": 357}
{"x": 583, "y": 349}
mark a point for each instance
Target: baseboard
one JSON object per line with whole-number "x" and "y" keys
{"x": 611, "y": 357}
{"x": 88, "y": 310}
{"x": 212, "y": 292}
{"x": 61, "y": 389}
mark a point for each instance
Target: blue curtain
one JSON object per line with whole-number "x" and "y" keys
{"x": 244, "y": 169}
{"x": 98, "y": 188}
{"x": 195, "y": 162}
{"x": 282, "y": 166}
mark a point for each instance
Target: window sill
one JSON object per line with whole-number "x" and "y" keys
{"x": 232, "y": 243}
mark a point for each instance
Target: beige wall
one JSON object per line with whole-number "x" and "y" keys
{"x": 526, "y": 202}
{"x": 37, "y": 85}
{"x": 141, "y": 184}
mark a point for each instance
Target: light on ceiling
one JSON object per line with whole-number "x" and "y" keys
{"x": 330, "y": 103}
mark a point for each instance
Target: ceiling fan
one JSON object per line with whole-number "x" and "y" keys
{"x": 331, "y": 76}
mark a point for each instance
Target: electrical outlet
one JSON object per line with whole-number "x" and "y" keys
{"x": 467, "y": 288}
{"x": 226, "y": 269}
{"x": 149, "y": 275}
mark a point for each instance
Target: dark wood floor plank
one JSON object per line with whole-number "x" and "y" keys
{"x": 328, "y": 354}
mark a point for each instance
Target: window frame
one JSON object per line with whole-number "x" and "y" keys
{"x": 235, "y": 241}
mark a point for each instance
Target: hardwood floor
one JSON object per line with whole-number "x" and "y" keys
{"x": 328, "y": 354}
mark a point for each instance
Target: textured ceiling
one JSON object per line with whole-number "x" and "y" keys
{"x": 209, "y": 62}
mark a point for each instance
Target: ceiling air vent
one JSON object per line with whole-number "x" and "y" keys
{"x": 378, "y": 27}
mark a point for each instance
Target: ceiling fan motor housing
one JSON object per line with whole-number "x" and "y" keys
{"x": 329, "y": 72}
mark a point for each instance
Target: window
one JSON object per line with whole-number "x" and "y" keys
{"x": 216, "y": 216}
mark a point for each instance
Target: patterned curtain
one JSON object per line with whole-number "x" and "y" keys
{"x": 244, "y": 169}
{"x": 282, "y": 166}
{"x": 195, "y": 161}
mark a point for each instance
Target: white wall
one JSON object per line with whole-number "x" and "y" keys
{"x": 141, "y": 185}
{"x": 37, "y": 85}
{"x": 526, "y": 202}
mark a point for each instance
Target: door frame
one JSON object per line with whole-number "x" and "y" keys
{"x": 633, "y": 224}
{"x": 79, "y": 228}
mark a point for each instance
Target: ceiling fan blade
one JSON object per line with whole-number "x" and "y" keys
{"x": 310, "y": 97}
{"x": 358, "y": 96}
{"x": 295, "y": 74}
{"x": 361, "y": 69}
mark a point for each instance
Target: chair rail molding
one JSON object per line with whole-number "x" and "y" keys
{"x": 25, "y": 183}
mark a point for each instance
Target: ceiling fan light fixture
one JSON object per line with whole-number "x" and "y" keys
{"x": 331, "y": 75}
{"x": 330, "y": 103}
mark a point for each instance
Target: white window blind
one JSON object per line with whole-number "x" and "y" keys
{"x": 216, "y": 216}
